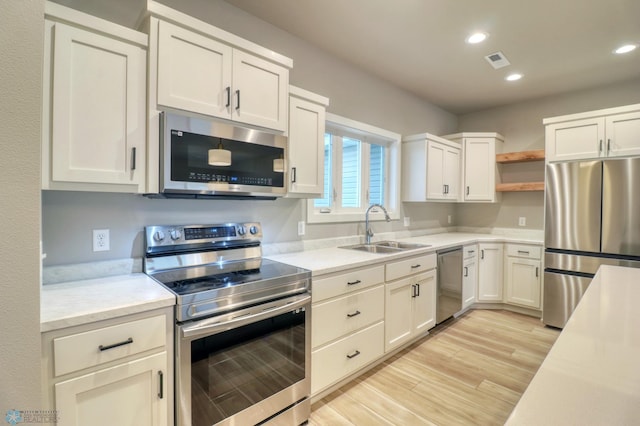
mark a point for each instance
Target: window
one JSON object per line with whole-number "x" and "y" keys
{"x": 361, "y": 167}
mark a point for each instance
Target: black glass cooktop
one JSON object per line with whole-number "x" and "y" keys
{"x": 267, "y": 270}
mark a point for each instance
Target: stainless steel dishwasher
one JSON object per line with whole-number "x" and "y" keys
{"x": 449, "y": 295}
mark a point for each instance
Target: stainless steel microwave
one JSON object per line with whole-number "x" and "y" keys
{"x": 201, "y": 158}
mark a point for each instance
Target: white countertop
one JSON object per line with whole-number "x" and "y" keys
{"x": 334, "y": 259}
{"x": 591, "y": 376}
{"x": 80, "y": 302}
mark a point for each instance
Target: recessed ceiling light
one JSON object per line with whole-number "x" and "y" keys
{"x": 513, "y": 77}
{"x": 625, "y": 49}
{"x": 476, "y": 38}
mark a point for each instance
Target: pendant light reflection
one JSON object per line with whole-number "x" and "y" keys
{"x": 278, "y": 165}
{"x": 219, "y": 156}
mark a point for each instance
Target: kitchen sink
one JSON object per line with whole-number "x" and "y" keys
{"x": 385, "y": 247}
{"x": 401, "y": 246}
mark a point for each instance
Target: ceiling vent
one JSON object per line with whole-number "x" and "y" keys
{"x": 497, "y": 60}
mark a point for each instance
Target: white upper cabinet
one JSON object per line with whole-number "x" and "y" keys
{"x": 194, "y": 72}
{"x": 94, "y": 111}
{"x": 203, "y": 74}
{"x": 610, "y": 132}
{"x": 430, "y": 169}
{"x": 306, "y": 143}
{"x": 479, "y": 171}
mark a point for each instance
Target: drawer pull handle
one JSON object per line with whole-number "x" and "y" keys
{"x": 355, "y": 314}
{"x": 115, "y": 345}
{"x": 415, "y": 266}
{"x": 353, "y": 282}
{"x": 161, "y": 382}
{"x": 353, "y": 355}
{"x": 523, "y": 252}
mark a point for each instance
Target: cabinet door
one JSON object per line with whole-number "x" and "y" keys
{"x": 479, "y": 169}
{"x": 194, "y": 72}
{"x": 424, "y": 303}
{"x": 260, "y": 92}
{"x": 623, "y": 134}
{"x": 97, "y": 110}
{"x": 128, "y": 394}
{"x": 452, "y": 173}
{"x": 435, "y": 171}
{"x": 490, "y": 273}
{"x": 398, "y": 316}
{"x": 306, "y": 147}
{"x": 469, "y": 282}
{"x": 574, "y": 140}
{"x": 523, "y": 282}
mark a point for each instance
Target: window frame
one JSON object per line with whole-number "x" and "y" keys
{"x": 368, "y": 134}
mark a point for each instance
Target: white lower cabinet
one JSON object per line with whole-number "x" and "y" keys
{"x": 410, "y": 305}
{"x": 347, "y": 324}
{"x": 490, "y": 272}
{"x": 523, "y": 271}
{"x": 117, "y": 371}
{"x": 339, "y": 359}
{"x": 127, "y": 394}
{"x": 469, "y": 275}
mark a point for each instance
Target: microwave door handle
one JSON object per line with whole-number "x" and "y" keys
{"x": 198, "y": 330}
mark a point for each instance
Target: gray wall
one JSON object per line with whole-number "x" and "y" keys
{"x": 521, "y": 125}
{"x": 69, "y": 217}
{"x": 21, "y": 40}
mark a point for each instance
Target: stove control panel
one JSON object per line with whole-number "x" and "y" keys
{"x": 171, "y": 235}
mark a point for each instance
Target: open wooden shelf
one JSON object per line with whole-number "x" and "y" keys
{"x": 520, "y": 157}
{"x": 520, "y": 186}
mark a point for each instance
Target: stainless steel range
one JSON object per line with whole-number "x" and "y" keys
{"x": 242, "y": 325}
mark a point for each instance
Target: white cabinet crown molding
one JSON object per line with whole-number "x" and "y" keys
{"x": 592, "y": 114}
{"x": 168, "y": 14}
{"x": 59, "y": 13}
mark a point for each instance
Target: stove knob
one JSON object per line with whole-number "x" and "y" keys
{"x": 158, "y": 236}
{"x": 175, "y": 234}
{"x": 241, "y": 230}
{"x": 253, "y": 230}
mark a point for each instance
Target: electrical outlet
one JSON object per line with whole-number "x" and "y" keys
{"x": 522, "y": 221}
{"x": 101, "y": 240}
{"x": 301, "y": 229}
{"x": 449, "y": 219}
{"x": 407, "y": 221}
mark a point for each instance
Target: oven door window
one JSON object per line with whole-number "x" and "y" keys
{"x": 233, "y": 370}
{"x": 251, "y": 163}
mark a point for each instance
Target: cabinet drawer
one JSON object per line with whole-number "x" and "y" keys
{"x": 470, "y": 252}
{"x": 337, "y": 317}
{"x": 348, "y": 282}
{"x": 410, "y": 266}
{"x": 339, "y": 359}
{"x": 520, "y": 250}
{"x": 83, "y": 350}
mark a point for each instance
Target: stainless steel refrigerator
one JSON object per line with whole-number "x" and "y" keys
{"x": 592, "y": 217}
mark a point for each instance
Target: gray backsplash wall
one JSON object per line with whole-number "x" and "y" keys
{"x": 521, "y": 125}
{"x": 68, "y": 219}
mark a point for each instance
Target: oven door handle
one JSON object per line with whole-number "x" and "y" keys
{"x": 206, "y": 327}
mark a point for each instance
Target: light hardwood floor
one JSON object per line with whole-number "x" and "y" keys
{"x": 469, "y": 371}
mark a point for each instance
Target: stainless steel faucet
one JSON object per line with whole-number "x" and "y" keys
{"x": 368, "y": 231}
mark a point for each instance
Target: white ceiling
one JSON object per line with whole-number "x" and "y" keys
{"x": 559, "y": 45}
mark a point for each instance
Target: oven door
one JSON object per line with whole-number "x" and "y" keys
{"x": 246, "y": 366}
